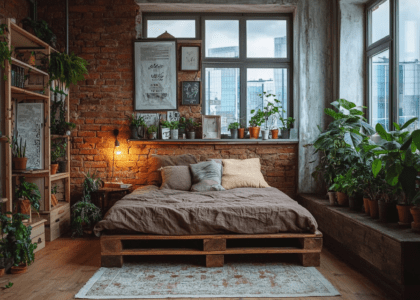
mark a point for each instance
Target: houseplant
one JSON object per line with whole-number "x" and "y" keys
{"x": 152, "y": 132}
{"x": 287, "y": 124}
{"x": 29, "y": 196}
{"x": 241, "y": 132}
{"x": 415, "y": 212}
{"x": 191, "y": 126}
{"x": 84, "y": 215}
{"x": 254, "y": 124}
{"x": 58, "y": 150}
{"x": 54, "y": 200}
{"x": 137, "y": 125}
{"x": 32, "y": 59}
{"x": 173, "y": 126}
{"x": 18, "y": 153}
{"x": 233, "y": 127}
{"x": 182, "y": 127}
{"x": 41, "y": 30}
{"x": 340, "y": 186}
{"x": 91, "y": 184}
{"x": 165, "y": 130}
{"x": 5, "y": 51}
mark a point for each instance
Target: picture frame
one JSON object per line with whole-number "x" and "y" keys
{"x": 211, "y": 127}
{"x": 155, "y": 75}
{"x": 149, "y": 119}
{"x": 191, "y": 92}
{"x": 190, "y": 58}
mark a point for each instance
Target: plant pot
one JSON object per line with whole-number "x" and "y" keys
{"x": 331, "y": 197}
{"x": 20, "y": 163}
{"x": 134, "y": 133}
{"x": 254, "y": 132}
{"x": 387, "y": 212}
{"x": 415, "y": 212}
{"x": 62, "y": 166}
{"x": 54, "y": 200}
{"x": 54, "y": 168}
{"x": 265, "y": 133}
{"x": 404, "y": 215}
{"x": 25, "y": 207}
{"x": 285, "y": 134}
{"x": 152, "y": 136}
{"x": 68, "y": 132}
{"x": 2, "y": 272}
{"x": 356, "y": 203}
{"x": 32, "y": 60}
{"x": 342, "y": 199}
{"x": 174, "y": 134}
{"x": 241, "y": 133}
{"x": 234, "y": 134}
{"x": 366, "y": 205}
{"x": 165, "y": 133}
{"x": 373, "y": 208}
{"x": 20, "y": 269}
{"x": 274, "y": 134}
{"x": 191, "y": 135}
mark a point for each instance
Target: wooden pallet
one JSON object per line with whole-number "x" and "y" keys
{"x": 308, "y": 246}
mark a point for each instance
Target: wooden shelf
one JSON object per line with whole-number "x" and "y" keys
{"x": 59, "y": 176}
{"x": 33, "y": 173}
{"x": 28, "y": 67}
{"x": 19, "y": 91}
{"x": 216, "y": 142}
{"x": 23, "y": 39}
{"x": 57, "y": 136}
{"x": 59, "y": 205}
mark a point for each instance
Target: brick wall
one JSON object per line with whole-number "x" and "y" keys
{"x": 102, "y": 32}
{"x": 18, "y": 9}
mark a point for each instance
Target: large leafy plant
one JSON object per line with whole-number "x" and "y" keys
{"x": 58, "y": 150}
{"x": 262, "y": 115}
{"x": 29, "y": 191}
{"x": 84, "y": 213}
{"x": 91, "y": 184}
{"x": 66, "y": 69}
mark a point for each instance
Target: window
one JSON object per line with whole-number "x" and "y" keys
{"x": 242, "y": 57}
{"x": 393, "y": 62}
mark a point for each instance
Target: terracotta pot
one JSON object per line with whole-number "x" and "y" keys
{"x": 356, "y": 203}
{"x": 415, "y": 212}
{"x": 373, "y": 208}
{"x": 54, "y": 168}
{"x": 54, "y": 200}
{"x": 152, "y": 136}
{"x": 20, "y": 163}
{"x": 2, "y": 271}
{"x": 404, "y": 216}
{"x": 241, "y": 133}
{"x": 331, "y": 196}
{"x": 285, "y": 134}
{"x": 342, "y": 199}
{"x": 274, "y": 134}
{"x": 25, "y": 207}
{"x": 22, "y": 268}
{"x": 254, "y": 132}
{"x": 32, "y": 60}
{"x": 387, "y": 212}
{"x": 366, "y": 205}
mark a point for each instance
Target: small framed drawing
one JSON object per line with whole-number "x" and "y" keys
{"x": 190, "y": 58}
{"x": 211, "y": 127}
{"x": 191, "y": 93}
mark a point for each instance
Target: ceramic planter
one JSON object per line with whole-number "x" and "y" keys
{"x": 165, "y": 133}
{"x": 387, "y": 212}
{"x": 20, "y": 163}
{"x": 274, "y": 134}
{"x": 331, "y": 197}
{"x": 134, "y": 133}
{"x": 415, "y": 212}
{"x": 54, "y": 168}
{"x": 152, "y": 136}
{"x": 20, "y": 269}
{"x": 265, "y": 133}
{"x": 254, "y": 132}
{"x": 342, "y": 199}
{"x": 366, "y": 205}
{"x": 241, "y": 133}
{"x": 356, "y": 203}
{"x": 285, "y": 134}
{"x": 234, "y": 134}
{"x": 373, "y": 209}
{"x": 404, "y": 215}
{"x": 174, "y": 134}
{"x": 191, "y": 135}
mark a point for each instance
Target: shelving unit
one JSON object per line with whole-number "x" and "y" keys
{"x": 23, "y": 41}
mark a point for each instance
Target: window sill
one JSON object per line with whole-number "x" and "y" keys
{"x": 217, "y": 142}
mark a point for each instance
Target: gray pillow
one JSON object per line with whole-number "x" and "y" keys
{"x": 176, "y": 178}
{"x": 217, "y": 161}
{"x": 206, "y": 176}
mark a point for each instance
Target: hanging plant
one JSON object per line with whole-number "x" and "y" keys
{"x": 66, "y": 69}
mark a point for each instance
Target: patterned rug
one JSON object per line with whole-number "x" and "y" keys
{"x": 238, "y": 279}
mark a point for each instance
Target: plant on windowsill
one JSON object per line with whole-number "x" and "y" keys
{"x": 5, "y": 51}
{"x": 18, "y": 154}
{"x": 58, "y": 150}
{"x": 152, "y": 132}
{"x": 233, "y": 127}
{"x": 254, "y": 124}
{"x": 137, "y": 125}
{"x": 287, "y": 124}
{"x": 191, "y": 128}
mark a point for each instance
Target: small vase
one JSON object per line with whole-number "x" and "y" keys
{"x": 331, "y": 197}
{"x": 342, "y": 199}
{"x": 174, "y": 134}
{"x": 404, "y": 216}
{"x": 285, "y": 134}
{"x": 191, "y": 135}
{"x": 274, "y": 134}
{"x": 20, "y": 163}
{"x": 134, "y": 133}
{"x": 373, "y": 209}
{"x": 152, "y": 136}
{"x": 234, "y": 134}
{"x": 241, "y": 133}
{"x": 254, "y": 132}
{"x": 366, "y": 205}
{"x": 265, "y": 133}
{"x": 54, "y": 168}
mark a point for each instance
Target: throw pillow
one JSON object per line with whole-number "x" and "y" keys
{"x": 176, "y": 178}
{"x": 161, "y": 161}
{"x": 239, "y": 173}
{"x": 206, "y": 176}
{"x": 218, "y": 161}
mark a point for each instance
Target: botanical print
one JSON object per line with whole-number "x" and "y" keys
{"x": 190, "y": 58}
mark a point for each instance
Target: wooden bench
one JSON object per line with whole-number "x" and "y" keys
{"x": 308, "y": 246}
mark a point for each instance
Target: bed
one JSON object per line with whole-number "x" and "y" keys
{"x": 214, "y": 224}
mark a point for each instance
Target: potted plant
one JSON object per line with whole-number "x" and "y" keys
{"x": 173, "y": 126}
{"x": 67, "y": 69}
{"x": 91, "y": 184}
{"x": 191, "y": 126}
{"x": 32, "y": 59}
{"x": 233, "y": 127}
{"x": 84, "y": 216}
{"x": 18, "y": 154}
{"x": 137, "y": 125}
{"x": 340, "y": 187}
{"x": 287, "y": 124}
{"x": 241, "y": 132}
{"x": 54, "y": 200}
{"x": 254, "y": 124}
{"x": 58, "y": 150}
{"x": 41, "y": 30}
{"x": 152, "y": 132}
{"x": 182, "y": 126}
{"x": 165, "y": 129}
{"x": 415, "y": 212}
{"x": 387, "y": 206}
{"x": 5, "y": 50}
{"x": 29, "y": 196}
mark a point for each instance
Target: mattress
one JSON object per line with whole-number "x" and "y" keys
{"x": 149, "y": 210}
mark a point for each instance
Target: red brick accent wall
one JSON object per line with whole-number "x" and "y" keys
{"x": 18, "y": 9}
{"x": 102, "y": 32}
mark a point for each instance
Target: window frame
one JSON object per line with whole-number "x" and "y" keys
{"x": 243, "y": 63}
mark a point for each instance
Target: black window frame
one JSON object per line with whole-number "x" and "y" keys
{"x": 242, "y": 62}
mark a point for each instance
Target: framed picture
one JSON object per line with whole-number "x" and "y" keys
{"x": 149, "y": 119}
{"x": 190, "y": 58}
{"x": 211, "y": 127}
{"x": 191, "y": 93}
{"x": 155, "y": 75}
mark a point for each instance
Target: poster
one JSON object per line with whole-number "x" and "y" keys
{"x": 155, "y": 75}
{"x": 191, "y": 93}
{"x": 190, "y": 58}
{"x": 29, "y": 126}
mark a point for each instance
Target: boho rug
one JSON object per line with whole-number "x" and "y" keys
{"x": 239, "y": 279}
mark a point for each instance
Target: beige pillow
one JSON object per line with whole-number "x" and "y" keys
{"x": 176, "y": 178}
{"x": 238, "y": 173}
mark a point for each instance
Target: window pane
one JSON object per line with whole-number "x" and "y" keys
{"x": 409, "y": 61}
{"x": 379, "y": 102}
{"x": 222, "y": 38}
{"x": 222, "y": 87}
{"x": 271, "y": 81}
{"x": 380, "y": 21}
{"x": 177, "y": 28}
{"x": 266, "y": 38}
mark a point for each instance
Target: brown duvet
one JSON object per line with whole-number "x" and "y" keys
{"x": 149, "y": 210}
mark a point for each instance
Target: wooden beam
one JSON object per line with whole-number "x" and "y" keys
{"x": 310, "y": 259}
{"x": 215, "y": 261}
{"x": 114, "y": 261}
{"x": 214, "y": 244}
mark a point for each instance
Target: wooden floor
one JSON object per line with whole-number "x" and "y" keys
{"x": 65, "y": 265}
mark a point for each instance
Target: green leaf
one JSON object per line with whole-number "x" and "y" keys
{"x": 408, "y": 123}
{"x": 346, "y": 104}
{"x": 382, "y": 132}
{"x": 416, "y": 138}
{"x": 348, "y": 139}
{"x": 376, "y": 167}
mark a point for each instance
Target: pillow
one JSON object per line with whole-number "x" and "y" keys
{"x": 218, "y": 161}
{"x": 239, "y": 173}
{"x": 176, "y": 178}
{"x": 175, "y": 160}
{"x": 206, "y": 176}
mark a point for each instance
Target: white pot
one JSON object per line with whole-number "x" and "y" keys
{"x": 68, "y": 132}
{"x": 174, "y": 134}
{"x": 265, "y": 134}
{"x": 165, "y": 133}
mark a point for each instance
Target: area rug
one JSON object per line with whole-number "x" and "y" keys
{"x": 151, "y": 280}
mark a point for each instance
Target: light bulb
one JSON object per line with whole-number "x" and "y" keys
{"x": 118, "y": 152}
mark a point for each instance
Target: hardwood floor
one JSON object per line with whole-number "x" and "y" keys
{"x": 65, "y": 265}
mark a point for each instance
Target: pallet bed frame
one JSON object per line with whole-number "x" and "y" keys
{"x": 308, "y": 246}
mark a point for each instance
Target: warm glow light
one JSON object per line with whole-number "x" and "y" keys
{"x": 118, "y": 152}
